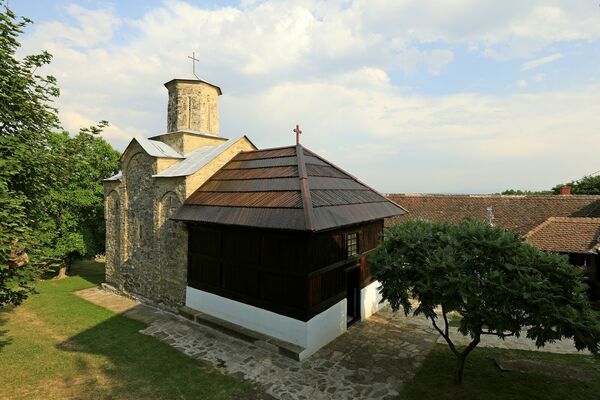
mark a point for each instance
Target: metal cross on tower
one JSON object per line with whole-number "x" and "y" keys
{"x": 194, "y": 60}
{"x": 298, "y": 132}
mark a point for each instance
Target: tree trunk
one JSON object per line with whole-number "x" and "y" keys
{"x": 69, "y": 262}
{"x": 460, "y": 367}
{"x": 62, "y": 271}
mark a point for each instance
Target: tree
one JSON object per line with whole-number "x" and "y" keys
{"x": 586, "y": 185}
{"x": 51, "y": 198}
{"x": 496, "y": 282}
{"x": 517, "y": 192}
{"x": 75, "y": 202}
{"x": 26, "y": 119}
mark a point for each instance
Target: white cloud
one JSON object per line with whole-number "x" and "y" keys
{"x": 522, "y": 83}
{"x": 539, "y": 77}
{"x": 541, "y": 61}
{"x": 462, "y": 142}
{"x": 327, "y": 66}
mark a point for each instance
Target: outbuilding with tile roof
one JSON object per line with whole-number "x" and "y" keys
{"x": 567, "y": 224}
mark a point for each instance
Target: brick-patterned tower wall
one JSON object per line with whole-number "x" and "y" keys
{"x": 193, "y": 105}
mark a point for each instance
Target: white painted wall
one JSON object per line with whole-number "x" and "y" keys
{"x": 312, "y": 335}
{"x": 370, "y": 300}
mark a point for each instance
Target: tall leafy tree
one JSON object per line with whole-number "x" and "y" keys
{"x": 26, "y": 119}
{"x": 498, "y": 284}
{"x": 75, "y": 203}
{"x": 51, "y": 199}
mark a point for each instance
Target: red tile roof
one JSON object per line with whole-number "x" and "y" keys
{"x": 524, "y": 214}
{"x": 566, "y": 235}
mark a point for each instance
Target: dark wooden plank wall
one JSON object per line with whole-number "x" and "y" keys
{"x": 258, "y": 267}
{"x": 294, "y": 274}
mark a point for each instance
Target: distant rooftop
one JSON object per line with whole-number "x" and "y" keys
{"x": 524, "y": 214}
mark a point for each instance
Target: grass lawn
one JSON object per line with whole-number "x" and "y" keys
{"x": 483, "y": 379}
{"x": 58, "y": 346}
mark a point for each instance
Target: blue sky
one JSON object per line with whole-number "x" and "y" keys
{"x": 411, "y": 96}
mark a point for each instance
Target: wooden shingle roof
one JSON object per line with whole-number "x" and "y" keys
{"x": 285, "y": 188}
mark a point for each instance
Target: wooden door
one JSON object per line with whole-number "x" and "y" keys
{"x": 353, "y": 294}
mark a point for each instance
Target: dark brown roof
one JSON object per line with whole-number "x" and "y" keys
{"x": 285, "y": 188}
{"x": 567, "y": 235}
{"x": 521, "y": 213}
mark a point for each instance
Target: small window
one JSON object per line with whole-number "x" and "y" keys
{"x": 352, "y": 243}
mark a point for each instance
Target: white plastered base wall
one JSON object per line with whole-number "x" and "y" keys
{"x": 311, "y": 335}
{"x": 370, "y": 300}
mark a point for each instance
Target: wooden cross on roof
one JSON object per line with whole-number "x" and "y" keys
{"x": 194, "y": 60}
{"x": 298, "y": 132}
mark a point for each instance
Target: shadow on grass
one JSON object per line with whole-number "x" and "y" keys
{"x": 4, "y": 340}
{"x": 90, "y": 270}
{"x": 141, "y": 367}
{"x": 133, "y": 365}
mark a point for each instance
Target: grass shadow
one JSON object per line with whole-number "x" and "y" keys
{"x": 143, "y": 366}
{"x": 4, "y": 340}
{"x": 484, "y": 380}
{"x": 90, "y": 270}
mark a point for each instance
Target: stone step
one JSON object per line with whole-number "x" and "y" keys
{"x": 261, "y": 340}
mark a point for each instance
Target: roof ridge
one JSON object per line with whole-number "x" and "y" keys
{"x": 353, "y": 177}
{"x": 537, "y": 228}
{"x": 304, "y": 189}
{"x": 576, "y": 219}
{"x": 206, "y": 153}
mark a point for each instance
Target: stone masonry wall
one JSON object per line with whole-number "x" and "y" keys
{"x": 146, "y": 251}
{"x": 185, "y": 142}
{"x": 194, "y": 106}
{"x": 114, "y": 225}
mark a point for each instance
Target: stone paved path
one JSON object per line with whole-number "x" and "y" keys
{"x": 371, "y": 361}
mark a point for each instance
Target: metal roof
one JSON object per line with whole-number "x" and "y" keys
{"x": 115, "y": 177}
{"x": 156, "y": 148}
{"x": 193, "y": 79}
{"x": 285, "y": 188}
{"x": 196, "y": 159}
{"x": 190, "y": 132}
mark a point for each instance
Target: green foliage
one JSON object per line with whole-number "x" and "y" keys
{"x": 26, "y": 118}
{"x": 517, "y": 192}
{"x": 585, "y": 185}
{"x": 498, "y": 284}
{"x": 50, "y": 192}
{"x": 73, "y": 214}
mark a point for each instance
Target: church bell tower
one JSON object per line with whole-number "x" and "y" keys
{"x": 193, "y": 106}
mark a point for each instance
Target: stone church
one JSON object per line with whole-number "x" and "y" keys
{"x": 145, "y": 250}
{"x": 274, "y": 241}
